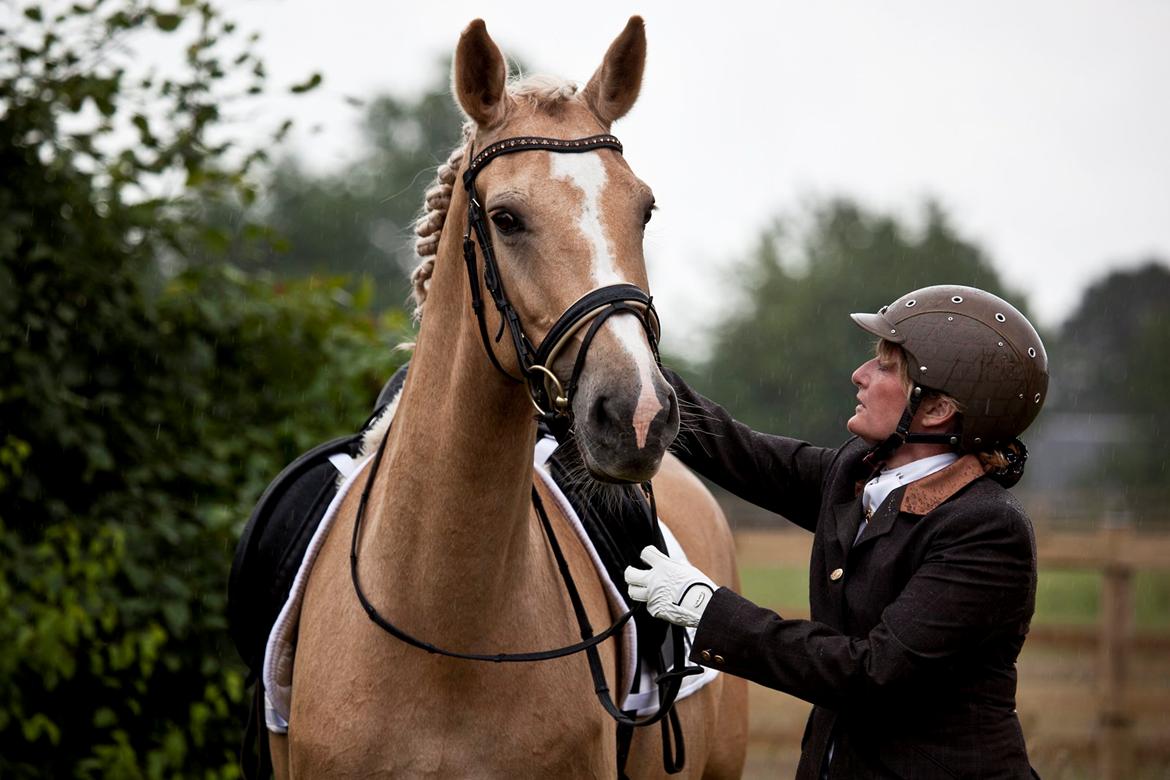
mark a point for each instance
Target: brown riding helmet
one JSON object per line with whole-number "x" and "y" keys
{"x": 975, "y": 347}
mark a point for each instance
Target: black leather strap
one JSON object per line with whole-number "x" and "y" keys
{"x": 529, "y": 143}
{"x": 588, "y": 303}
{"x": 589, "y": 641}
{"x": 669, "y": 683}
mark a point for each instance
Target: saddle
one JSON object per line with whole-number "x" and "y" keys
{"x": 281, "y": 525}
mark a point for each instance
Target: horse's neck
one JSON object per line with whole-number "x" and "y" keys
{"x": 451, "y": 501}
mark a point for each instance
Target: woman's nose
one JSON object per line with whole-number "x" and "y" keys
{"x": 858, "y": 373}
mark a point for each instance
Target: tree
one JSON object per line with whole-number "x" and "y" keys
{"x": 359, "y": 221}
{"x": 139, "y": 414}
{"x": 782, "y": 360}
{"x": 1109, "y": 359}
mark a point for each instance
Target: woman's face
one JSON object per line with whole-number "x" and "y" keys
{"x": 882, "y": 391}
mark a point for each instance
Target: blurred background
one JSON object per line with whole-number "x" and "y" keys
{"x": 206, "y": 218}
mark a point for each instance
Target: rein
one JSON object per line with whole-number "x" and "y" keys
{"x": 553, "y": 402}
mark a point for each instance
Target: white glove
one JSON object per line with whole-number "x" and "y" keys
{"x": 672, "y": 590}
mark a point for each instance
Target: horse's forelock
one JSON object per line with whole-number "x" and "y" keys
{"x": 541, "y": 92}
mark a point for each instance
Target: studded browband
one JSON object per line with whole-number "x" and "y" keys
{"x": 533, "y": 142}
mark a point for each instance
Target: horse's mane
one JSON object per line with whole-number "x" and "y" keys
{"x": 541, "y": 92}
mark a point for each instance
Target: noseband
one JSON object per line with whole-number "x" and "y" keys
{"x": 553, "y": 401}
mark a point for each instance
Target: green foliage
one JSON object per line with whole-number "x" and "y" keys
{"x": 139, "y": 416}
{"x": 782, "y": 361}
{"x": 358, "y": 220}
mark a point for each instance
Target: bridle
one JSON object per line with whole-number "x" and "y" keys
{"x": 553, "y": 402}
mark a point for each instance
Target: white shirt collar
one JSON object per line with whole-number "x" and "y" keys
{"x": 879, "y": 488}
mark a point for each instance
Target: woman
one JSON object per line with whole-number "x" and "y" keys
{"x": 923, "y": 572}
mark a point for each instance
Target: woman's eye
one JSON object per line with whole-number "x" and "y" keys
{"x": 505, "y": 222}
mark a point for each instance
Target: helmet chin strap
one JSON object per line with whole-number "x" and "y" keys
{"x": 877, "y": 457}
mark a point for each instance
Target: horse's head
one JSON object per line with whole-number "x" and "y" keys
{"x": 564, "y": 224}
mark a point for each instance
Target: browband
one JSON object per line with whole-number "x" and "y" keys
{"x": 533, "y": 142}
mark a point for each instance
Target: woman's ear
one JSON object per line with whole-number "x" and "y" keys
{"x": 938, "y": 412}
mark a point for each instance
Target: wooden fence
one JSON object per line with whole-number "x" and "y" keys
{"x": 1118, "y": 553}
{"x": 1110, "y": 703}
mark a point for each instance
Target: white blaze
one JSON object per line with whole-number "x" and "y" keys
{"x": 586, "y": 172}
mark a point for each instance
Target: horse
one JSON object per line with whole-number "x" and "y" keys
{"x": 449, "y": 543}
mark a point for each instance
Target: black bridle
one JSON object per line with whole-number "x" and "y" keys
{"x": 552, "y": 400}
{"x": 553, "y": 403}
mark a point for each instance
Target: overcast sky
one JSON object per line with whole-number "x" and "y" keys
{"x": 1042, "y": 127}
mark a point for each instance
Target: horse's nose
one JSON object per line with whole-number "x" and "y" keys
{"x": 628, "y": 422}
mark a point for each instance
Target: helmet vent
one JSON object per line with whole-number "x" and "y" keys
{"x": 950, "y": 319}
{"x": 1031, "y": 352}
{"x": 1037, "y": 398}
{"x": 1000, "y": 318}
{"x": 910, "y": 303}
{"x": 957, "y": 299}
{"x": 883, "y": 309}
{"x": 1000, "y": 343}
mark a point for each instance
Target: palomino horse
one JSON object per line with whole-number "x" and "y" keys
{"x": 450, "y": 547}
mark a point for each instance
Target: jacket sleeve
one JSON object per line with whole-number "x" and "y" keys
{"x": 777, "y": 473}
{"x": 976, "y": 581}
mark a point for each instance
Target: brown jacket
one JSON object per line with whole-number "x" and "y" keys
{"x": 909, "y": 655}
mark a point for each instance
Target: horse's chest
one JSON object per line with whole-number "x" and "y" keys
{"x": 364, "y": 702}
{"x": 491, "y": 721}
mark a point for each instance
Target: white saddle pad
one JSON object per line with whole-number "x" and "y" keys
{"x": 278, "y": 656}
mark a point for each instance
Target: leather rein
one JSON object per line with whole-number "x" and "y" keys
{"x": 553, "y": 402}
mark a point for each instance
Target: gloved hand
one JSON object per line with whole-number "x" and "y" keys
{"x": 673, "y": 590}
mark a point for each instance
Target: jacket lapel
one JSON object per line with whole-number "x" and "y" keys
{"x": 883, "y": 519}
{"x": 847, "y": 516}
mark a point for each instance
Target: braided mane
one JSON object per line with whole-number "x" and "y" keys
{"x": 540, "y": 92}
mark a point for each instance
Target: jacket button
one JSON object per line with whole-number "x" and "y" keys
{"x": 705, "y": 655}
{"x": 718, "y": 659}
{"x": 837, "y": 574}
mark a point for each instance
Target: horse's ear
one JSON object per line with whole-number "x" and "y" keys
{"x": 479, "y": 75}
{"x": 614, "y": 87}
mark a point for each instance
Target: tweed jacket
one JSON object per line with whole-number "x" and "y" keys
{"x": 909, "y": 655}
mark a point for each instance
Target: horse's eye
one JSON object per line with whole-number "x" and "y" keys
{"x": 649, "y": 213}
{"x": 506, "y": 222}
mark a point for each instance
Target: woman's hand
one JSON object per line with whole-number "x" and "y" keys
{"x": 673, "y": 590}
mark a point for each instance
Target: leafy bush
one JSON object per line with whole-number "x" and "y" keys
{"x": 140, "y": 415}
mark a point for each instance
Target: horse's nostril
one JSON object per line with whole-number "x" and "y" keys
{"x": 599, "y": 413}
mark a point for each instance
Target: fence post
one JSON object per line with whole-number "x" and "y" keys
{"x": 1117, "y": 607}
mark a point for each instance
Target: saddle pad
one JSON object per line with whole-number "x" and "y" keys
{"x": 641, "y": 697}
